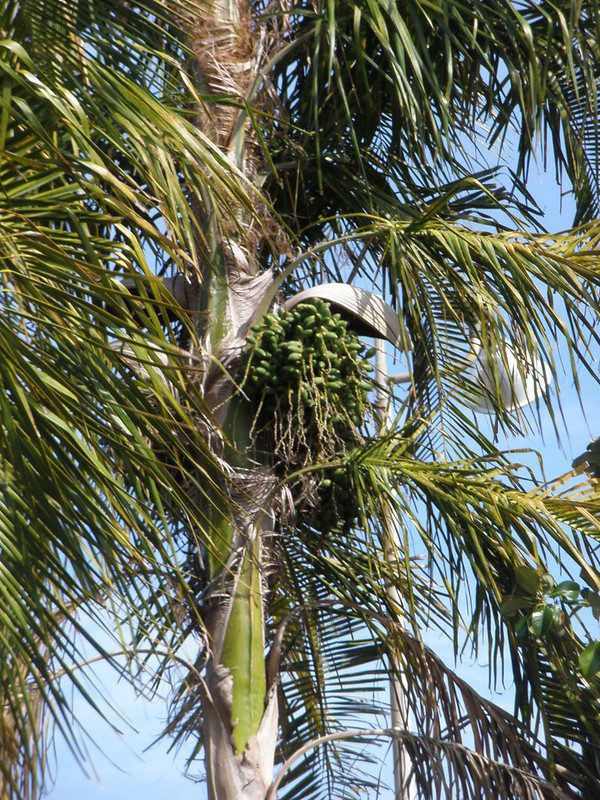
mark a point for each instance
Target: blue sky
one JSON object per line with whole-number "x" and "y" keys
{"x": 124, "y": 771}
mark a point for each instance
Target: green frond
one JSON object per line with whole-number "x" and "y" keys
{"x": 454, "y": 283}
{"x": 101, "y": 409}
{"x": 419, "y": 79}
{"x": 478, "y": 529}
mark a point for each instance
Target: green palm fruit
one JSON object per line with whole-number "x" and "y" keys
{"x": 305, "y": 364}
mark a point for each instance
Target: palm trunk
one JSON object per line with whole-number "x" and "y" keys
{"x": 240, "y": 720}
{"x": 239, "y": 710}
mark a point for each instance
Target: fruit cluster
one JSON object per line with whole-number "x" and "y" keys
{"x": 309, "y": 376}
{"x": 338, "y": 506}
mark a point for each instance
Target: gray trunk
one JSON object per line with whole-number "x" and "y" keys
{"x": 239, "y": 752}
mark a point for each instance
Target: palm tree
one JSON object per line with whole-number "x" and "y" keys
{"x": 189, "y": 453}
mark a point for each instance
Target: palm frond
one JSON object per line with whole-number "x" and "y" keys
{"x": 343, "y": 628}
{"x": 93, "y": 448}
{"x": 450, "y": 282}
{"x": 114, "y": 168}
{"x": 419, "y": 79}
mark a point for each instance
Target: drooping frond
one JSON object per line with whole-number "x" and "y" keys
{"x": 352, "y": 606}
{"x": 417, "y": 82}
{"x": 102, "y": 409}
{"x": 459, "y": 288}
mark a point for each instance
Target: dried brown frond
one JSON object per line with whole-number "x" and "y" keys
{"x": 447, "y": 708}
{"x": 21, "y": 770}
